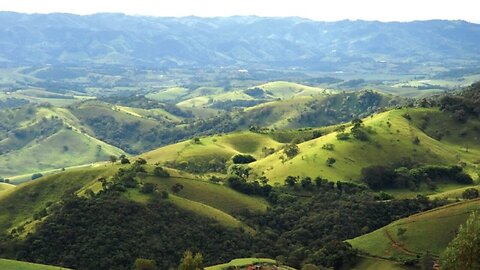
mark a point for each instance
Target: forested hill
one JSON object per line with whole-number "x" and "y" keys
{"x": 235, "y": 41}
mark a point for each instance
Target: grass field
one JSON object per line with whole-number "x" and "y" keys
{"x": 389, "y": 133}
{"x": 367, "y": 263}
{"x": 427, "y": 231}
{"x": 242, "y": 263}
{"x": 168, "y": 94}
{"x": 18, "y": 265}
{"x": 63, "y": 149}
{"x": 213, "y": 147}
{"x": 283, "y": 89}
{"x": 214, "y": 195}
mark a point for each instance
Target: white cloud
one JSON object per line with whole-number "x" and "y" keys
{"x": 383, "y": 10}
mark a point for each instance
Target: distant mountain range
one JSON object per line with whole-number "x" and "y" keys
{"x": 244, "y": 42}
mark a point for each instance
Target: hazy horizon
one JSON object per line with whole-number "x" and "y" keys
{"x": 369, "y": 10}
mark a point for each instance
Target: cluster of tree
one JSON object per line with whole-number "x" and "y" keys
{"x": 4, "y": 180}
{"x": 358, "y": 130}
{"x": 243, "y": 159}
{"x": 462, "y": 252}
{"x": 380, "y": 177}
{"x": 463, "y": 105}
{"x": 200, "y": 166}
{"x": 291, "y": 150}
{"x": 308, "y": 221}
{"x": 251, "y": 188}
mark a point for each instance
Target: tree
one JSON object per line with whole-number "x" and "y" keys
{"x": 148, "y": 188}
{"x": 140, "y": 161}
{"x": 36, "y": 175}
{"x": 470, "y": 193}
{"x": 243, "y": 159}
{"x": 177, "y": 187}
{"x": 113, "y": 159}
{"x": 330, "y": 161}
{"x": 124, "y": 160}
{"x": 144, "y": 264}
{"x": 309, "y": 266}
{"x": 290, "y": 181}
{"x": 190, "y": 262}
{"x": 291, "y": 150}
{"x": 160, "y": 172}
{"x": 462, "y": 252}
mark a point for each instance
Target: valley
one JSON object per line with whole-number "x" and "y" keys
{"x": 244, "y": 142}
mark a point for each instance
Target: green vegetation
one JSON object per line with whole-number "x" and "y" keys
{"x": 367, "y": 263}
{"x": 388, "y": 133}
{"x": 462, "y": 252}
{"x": 244, "y": 262}
{"x": 18, "y": 265}
{"x": 429, "y": 231}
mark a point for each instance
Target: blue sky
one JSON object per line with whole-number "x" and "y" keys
{"x": 332, "y": 10}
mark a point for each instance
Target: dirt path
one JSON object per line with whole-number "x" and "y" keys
{"x": 397, "y": 245}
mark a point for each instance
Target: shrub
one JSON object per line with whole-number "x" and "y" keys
{"x": 330, "y": 161}
{"x": 148, "y": 188}
{"x": 177, "y": 187}
{"x": 140, "y": 161}
{"x": 243, "y": 159}
{"x": 291, "y": 150}
{"x": 407, "y": 116}
{"x": 328, "y": 146}
{"x": 160, "y": 172}
{"x": 470, "y": 193}
{"x": 36, "y": 176}
{"x": 342, "y": 136}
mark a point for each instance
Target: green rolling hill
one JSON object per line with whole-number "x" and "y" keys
{"x": 44, "y": 138}
{"x": 204, "y": 198}
{"x": 213, "y": 148}
{"x": 318, "y": 110}
{"x": 388, "y": 132}
{"x": 427, "y": 231}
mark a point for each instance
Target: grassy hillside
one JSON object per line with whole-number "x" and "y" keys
{"x": 21, "y": 204}
{"x": 368, "y": 263}
{"x": 283, "y": 89}
{"x": 211, "y": 200}
{"x": 244, "y": 262}
{"x": 213, "y": 147}
{"x": 62, "y": 149}
{"x": 18, "y": 265}
{"x": 391, "y": 139}
{"x": 427, "y": 231}
{"x": 42, "y": 138}
{"x": 5, "y": 187}
{"x": 318, "y": 110}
